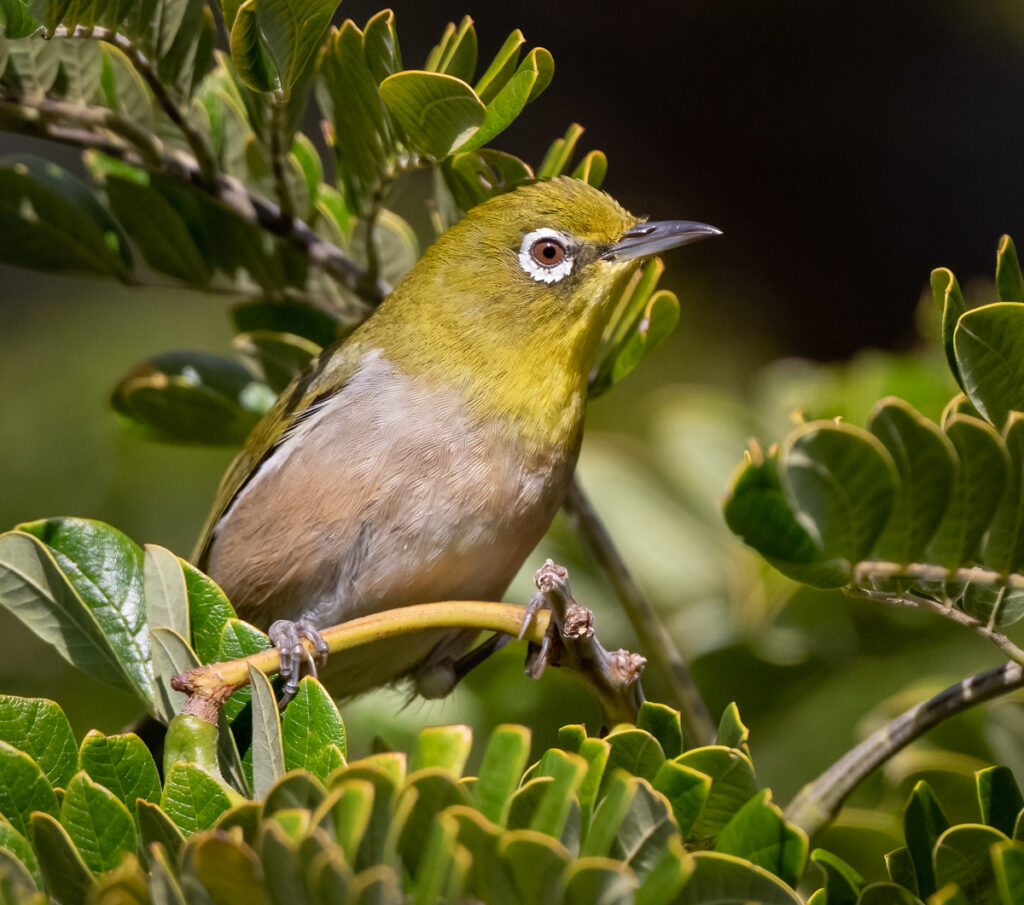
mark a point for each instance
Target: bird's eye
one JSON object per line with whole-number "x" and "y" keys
{"x": 546, "y": 255}
{"x": 548, "y": 252}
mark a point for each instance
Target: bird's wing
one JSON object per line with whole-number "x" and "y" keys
{"x": 326, "y": 375}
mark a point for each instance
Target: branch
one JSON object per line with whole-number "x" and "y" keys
{"x": 91, "y": 128}
{"x": 651, "y": 632}
{"x": 915, "y": 601}
{"x": 278, "y": 158}
{"x": 208, "y": 168}
{"x": 818, "y": 802}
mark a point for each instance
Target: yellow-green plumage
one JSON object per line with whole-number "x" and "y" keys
{"x": 424, "y": 457}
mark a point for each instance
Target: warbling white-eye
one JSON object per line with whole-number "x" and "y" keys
{"x": 423, "y": 457}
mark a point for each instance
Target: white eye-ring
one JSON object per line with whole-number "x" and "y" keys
{"x": 546, "y": 255}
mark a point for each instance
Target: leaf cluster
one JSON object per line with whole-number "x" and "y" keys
{"x": 940, "y": 863}
{"x": 908, "y": 505}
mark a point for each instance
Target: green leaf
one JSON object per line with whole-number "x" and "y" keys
{"x": 105, "y": 569}
{"x": 34, "y": 589}
{"x": 155, "y": 826}
{"x": 842, "y": 481}
{"x": 592, "y": 168}
{"x": 1009, "y": 281}
{"x": 501, "y": 68}
{"x": 123, "y": 764}
{"x": 171, "y": 656}
{"x": 989, "y": 346}
{"x": 41, "y": 730}
{"x": 611, "y": 810}
{"x": 950, "y": 301}
{"x": 293, "y": 30}
{"x": 157, "y": 229}
{"x": 732, "y": 733}
{"x": 360, "y": 136}
{"x": 663, "y": 884}
{"x": 268, "y": 764}
{"x": 1003, "y": 546}
{"x": 346, "y": 813}
{"x": 508, "y": 748}
{"x": 126, "y": 93}
{"x": 758, "y": 510}
{"x": 380, "y": 46}
{"x": 999, "y": 797}
{"x": 534, "y": 74}
{"x": 980, "y": 479}
{"x": 591, "y": 880}
{"x": 474, "y": 176}
{"x": 547, "y": 808}
{"x": 209, "y": 612}
{"x": 644, "y": 831}
{"x": 925, "y": 462}
{"x": 961, "y": 856}
{"x": 18, "y": 22}
{"x": 887, "y": 894}
{"x": 34, "y": 66}
{"x": 164, "y": 589}
{"x": 24, "y": 788}
{"x": 310, "y": 723}
{"x": 726, "y": 879}
{"x": 536, "y": 863}
{"x": 192, "y": 397}
{"x": 51, "y": 222}
{"x": 923, "y": 823}
{"x": 310, "y": 323}
{"x": 14, "y": 847}
{"x": 558, "y": 157}
{"x": 437, "y": 113}
{"x": 428, "y": 792}
{"x": 635, "y": 751}
{"x": 98, "y": 823}
{"x": 595, "y": 751}
{"x": 192, "y": 798}
{"x": 1008, "y": 867}
{"x": 229, "y": 870}
{"x": 395, "y": 243}
{"x": 901, "y": 868}
{"x": 455, "y": 54}
{"x": 82, "y": 66}
{"x": 279, "y": 858}
{"x": 732, "y": 785}
{"x": 687, "y": 791}
{"x": 275, "y": 358}
{"x": 66, "y": 876}
{"x": 239, "y": 639}
{"x": 842, "y": 883}
{"x": 444, "y": 747}
{"x": 759, "y": 833}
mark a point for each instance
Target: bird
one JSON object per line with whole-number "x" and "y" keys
{"x": 423, "y": 457}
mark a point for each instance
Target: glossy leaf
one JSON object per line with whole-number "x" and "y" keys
{"x": 475, "y": 176}
{"x": 925, "y": 461}
{"x": 164, "y": 590}
{"x": 443, "y": 747}
{"x": 172, "y": 655}
{"x": 249, "y": 52}
{"x": 923, "y": 823}
{"x": 40, "y": 729}
{"x": 268, "y": 764}
{"x": 536, "y": 863}
{"x": 980, "y": 479}
{"x": 229, "y": 871}
{"x": 437, "y": 113}
{"x": 35, "y": 589}
{"x": 1008, "y": 867}
{"x": 1009, "y": 281}
{"x": 122, "y": 764}
{"x": 66, "y": 876}
{"x": 192, "y": 798}
{"x": 950, "y": 301}
{"x": 961, "y": 856}
{"x": 310, "y": 323}
{"x": 380, "y": 46}
{"x": 999, "y": 798}
{"x": 98, "y": 823}
{"x": 687, "y": 791}
{"x": 310, "y": 723}
{"x": 887, "y": 894}
{"x": 732, "y": 732}
{"x": 428, "y": 792}
{"x": 558, "y": 157}
{"x": 455, "y": 54}
{"x": 842, "y": 883}
{"x": 842, "y": 481}
{"x": 591, "y": 880}
{"x": 275, "y": 359}
{"x": 635, "y": 751}
{"x": 192, "y": 397}
{"x": 664, "y": 724}
{"x": 105, "y": 569}
{"x": 592, "y": 168}
{"x": 293, "y": 30}
{"x": 155, "y": 826}
{"x": 732, "y": 785}
{"x": 759, "y": 833}
{"x": 24, "y": 789}
{"x": 989, "y": 346}
{"x": 501, "y": 68}
{"x": 239, "y": 639}
{"x": 508, "y": 748}
{"x": 51, "y": 222}
{"x": 644, "y": 832}
{"x": 724, "y": 878}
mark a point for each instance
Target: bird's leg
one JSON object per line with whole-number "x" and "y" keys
{"x": 287, "y": 637}
{"x": 439, "y": 677}
{"x": 568, "y": 618}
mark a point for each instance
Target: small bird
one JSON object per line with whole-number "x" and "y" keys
{"x": 423, "y": 457}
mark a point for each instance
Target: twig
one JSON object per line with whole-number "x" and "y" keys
{"x": 915, "y": 601}
{"x": 208, "y": 169}
{"x": 819, "y": 801}
{"x": 278, "y": 156}
{"x": 77, "y": 126}
{"x": 651, "y": 632}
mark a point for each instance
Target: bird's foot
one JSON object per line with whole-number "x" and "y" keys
{"x": 569, "y": 620}
{"x": 296, "y": 660}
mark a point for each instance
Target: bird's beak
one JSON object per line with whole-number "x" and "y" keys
{"x": 651, "y": 238}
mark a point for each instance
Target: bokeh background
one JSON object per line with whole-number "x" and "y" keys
{"x": 845, "y": 149}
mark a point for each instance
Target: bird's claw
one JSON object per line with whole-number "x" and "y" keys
{"x": 569, "y": 620}
{"x": 296, "y": 660}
